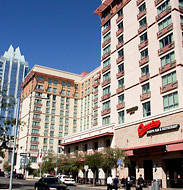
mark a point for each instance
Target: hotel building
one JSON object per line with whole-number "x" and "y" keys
{"x": 139, "y": 92}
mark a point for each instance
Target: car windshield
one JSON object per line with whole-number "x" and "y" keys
{"x": 52, "y": 181}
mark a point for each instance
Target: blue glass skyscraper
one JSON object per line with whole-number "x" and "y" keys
{"x": 13, "y": 69}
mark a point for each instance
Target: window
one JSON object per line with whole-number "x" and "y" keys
{"x": 143, "y": 22}
{"x": 143, "y": 37}
{"x": 120, "y": 53}
{"x": 181, "y": 3}
{"x": 52, "y": 119}
{"x": 48, "y": 103}
{"x": 167, "y": 59}
{"x": 54, "y": 90}
{"x": 74, "y": 122}
{"x": 146, "y": 109}
{"x": 67, "y": 106}
{"x": 144, "y": 53}
{"x": 45, "y": 141}
{"x": 68, "y": 93}
{"x": 48, "y": 96}
{"x": 37, "y": 101}
{"x": 107, "y": 49}
{"x": 120, "y": 12}
{"x": 107, "y": 37}
{"x": 62, "y": 99}
{"x": 106, "y": 120}
{"x": 36, "y": 116}
{"x": 145, "y": 70}
{"x": 120, "y": 39}
{"x": 106, "y": 62}
{"x": 53, "y": 111}
{"x": 68, "y": 85}
{"x": 34, "y": 147}
{"x": 39, "y": 87}
{"x": 49, "y": 81}
{"x": 163, "y": 6}
{"x": 76, "y": 95}
{"x": 142, "y": 7}
{"x": 120, "y": 25}
{"x": 67, "y": 100}
{"x": 106, "y": 25}
{"x": 66, "y": 128}
{"x": 51, "y": 141}
{"x": 45, "y": 148}
{"x": 35, "y": 123}
{"x": 166, "y": 22}
{"x": 60, "y": 127}
{"x": 46, "y": 117}
{"x": 63, "y": 92}
{"x": 170, "y": 101}
{"x": 63, "y": 83}
{"x": 40, "y": 78}
{"x": 121, "y": 83}
{"x": 46, "y": 125}
{"x": 34, "y": 139}
{"x": 67, "y": 114}
{"x": 52, "y": 126}
{"x": 53, "y": 104}
{"x": 51, "y": 133}
{"x": 48, "y": 110}
{"x": 61, "y": 119}
{"x": 46, "y": 133}
{"x": 66, "y": 121}
{"x": 121, "y": 99}
{"x": 106, "y": 76}
{"x": 33, "y": 159}
{"x": 121, "y": 117}
{"x": 106, "y": 105}
{"x": 167, "y": 40}
{"x": 120, "y": 68}
{"x": 106, "y": 90}
{"x": 170, "y": 78}
{"x": 75, "y": 101}
{"x": 145, "y": 88}
{"x": 75, "y": 114}
{"x": 35, "y": 131}
{"x": 49, "y": 89}
{"x": 37, "y": 108}
{"x": 55, "y": 82}
{"x": 38, "y": 94}
{"x": 76, "y": 86}
{"x": 60, "y": 134}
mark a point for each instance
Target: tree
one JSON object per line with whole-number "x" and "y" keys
{"x": 6, "y": 166}
{"x": 49, "y": 163}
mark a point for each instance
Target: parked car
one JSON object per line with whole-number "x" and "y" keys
{"x": 67, "y": 180}
{"x": 19, "y": 176}
{"x": 47, "y": 183}
{"x": 1, "y": 174}
{"x": 48, "y": 175}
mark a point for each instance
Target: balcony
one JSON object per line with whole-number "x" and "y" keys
{"x": 35, "y": 134}
{"x": 106, "y": 30}
{"x": 157, "y": 2}
{"x": 106, "y": 55}
{"x": 95, "y": 116}
{"x": 144, "y": 61}
{"x": 120, "y": 89}
{"x": 119, "y": 45}
{"x": 141, "y": 14}
{"x": 120, "y": 106}
{"x": 119, "y": 19}
{"x": 106, "y": 42}
{"x": 36, "y": 119}
{"x": 120, "y": 5}
{"x": 40, "y": 81}
{"x": 106, "y": 82}
{"x": 144, "y": 78}
{"x": 143, "y": 44}
{"x": 95, "y": 100}
{"x": 95, "y": 107}
{"x": 166, "y": 48}
{"x": 164, "y": 13}
{"x": 38, "y": 90}
{"x": 167, "y": 67}
{"x": 106, "y": 68}
{"x": 181, "y": 9}
{"x": 119, "y": 32}
{"x": 95, "y": 124}
{"x": 34, "y": 142}
{"x": 37, "y": 111}
{"x": 96, "y": 84}
{"x": 139, "y": 2}
{"x": 106, "y": 111}
{"x": 120, "y": 74}
{"x": 165, "y": 30}
{"x": 95, "y": 92}
{"x": 34, "y": 150}
{"x": 145, "y": 96}
{"x": 120, "y": 59}
{"x": 37, "y": 104}
{"x": 36, "y": 127}
{"x": 169, "y": 87}
{"x": 105, "y": 97}
{"x": 142, "y": 28}
{"x": 104, "y": 20}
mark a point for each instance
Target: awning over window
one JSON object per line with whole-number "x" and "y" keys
{"x": 102, "y": 7}
{"x": 88, "y": 138}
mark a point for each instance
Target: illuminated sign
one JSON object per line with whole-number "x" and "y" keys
{"x": 142, "y": 129}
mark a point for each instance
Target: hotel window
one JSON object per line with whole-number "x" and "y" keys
{"x": 120, "y": 68}
{"x": 39, "y": 87}
{"x": 54, "y": 90}
{"x": 121, "y": 83}
{"x": 120, "y": 12}
{"x": 88, "y": 82}
{"x": 68, "y": 93}
{"x": 106, "y": 120}
{"x": 60, "y": 127}
{"x": 95, "y": 96}
{"x": 85, "y": 84}
{"x": 53, "y": 104}
{"x": 67, "y": 106}
{"x": 145, "y": 70}
{"x": 34, "y": 139}
{"x": 52, "y": 126}
{"x": 46, "y": 125}
{"x": 40, "y": 78}
{"x": 181, "y": 19}
{"x": 46, "y": 133}
{"x": 142, "y": 7}
{"x": 50, "y": 149}
{"x": 181, "y": 3}
{"x": 63, "y": 84}
{"x": 163, "y": 6}
{"x": 33, "y": 159}
{"x": 146, "y": 109}
{"x": 121, "y": 116}
{"x": 35, "y": 131}
{"x": 45, "y": 141}
{"x": 120, "y": 39}
{"x": 61, "y": 119}
{"x": 68, "y": 85}
{"x": 96, "y": 112}
{"x": 37, "y": 116}
{"x": 120, "y": 53}
{"x": 121, "y": 99}
{"x": 49, "y": 89}
{"x": 76, "y": 95}
{"x": 61, "y": 113}
{"x": 82, "y": 86}
{"x": 106, "y": 76}
{"x": 45, "y": 148}
{"x": 53, "y": 111}
{"x": 37, "y": 108}
{"x": 34, "y": 147}
{"x": 48, "y": 96}
{"x": 65, "y": 133}
{"x": 96, "y": 104}
{"x": 37, "y": 101}
{"x": 106, "y": 91}
{"x": 142, "y": 22}
{"x": 145, "y": 88}
{"x": 75, "y": 101}
{"x": 167, "y": 59}
{"x": 76, "y": 86}
{"x": 62, "y": 99}
{"x": 60, "y": 134}
{"x": 106, "y": 25}
{"x": 85, "y": 91}
{"x": 55, "y": 82}
{"x": 49, "y": 81}
{"x": 170, "y": 101}
{"x": 38, "y": 94}
{"x": 168, "y": 79}
{"x": 52, "y": 118}
{"x": 48, "y": 103}
{"x": 62, "y": 106}
{"x": 48, "y": 110}
{"x": 75, "y": 108}
{"x": 106, "y": 62}
{"x": 120, "y": 25}
{"x": 107, "y": 49}
{"x": 144, "y": 53}
{"x": 54, "y": 97}
{"x": 88, "y": 90}
{"x": 67, "y": 114}
{"x": 51, "y": 141}
{"x": 74, "y": 122}
{"x": 46, "y": 117}
{"x": 107, "y": 37}
{"x": 66, "y": 128}
{"x": 143, "y": 37}
{"x": 75, "y": 114}
{"x": 167, "y": 40}
{"x": 166, "y": 22}
{"x": 106, "y": 105}
{"x": 63, "y": 92}
{"x": 66, "y": 121}
{"x": 35, "y": 123}
{"x": 67, "y": 100}
{"x": 51, "y": 133}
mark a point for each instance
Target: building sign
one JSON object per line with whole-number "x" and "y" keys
{"x": 162, "y": 129}
{"x": 148, "y": 150}
{"x": 142, "y": 129}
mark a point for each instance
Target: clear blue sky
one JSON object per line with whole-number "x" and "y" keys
{"x": 62, "y": 34}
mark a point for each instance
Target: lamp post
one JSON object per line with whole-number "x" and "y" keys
{"x": 14, "y": 145}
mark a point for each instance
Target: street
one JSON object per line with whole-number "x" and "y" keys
{"x": 29, "y": 185}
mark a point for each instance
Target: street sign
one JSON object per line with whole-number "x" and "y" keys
{"x": 25, "y": 154}
{"x": 24, "y": 161}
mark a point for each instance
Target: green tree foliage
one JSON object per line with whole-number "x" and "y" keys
{"x": 6, "y": 166}
{"x": 49, "y": 163}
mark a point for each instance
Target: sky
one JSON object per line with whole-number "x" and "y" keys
{"x": 61, "y": 34}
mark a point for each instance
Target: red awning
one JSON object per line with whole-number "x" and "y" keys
{"x": 88, "y": 138}
{"x": 102, "y": 7}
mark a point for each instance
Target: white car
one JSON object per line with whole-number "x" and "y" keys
{"x": 66, "y": 179}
